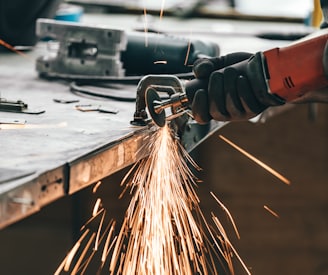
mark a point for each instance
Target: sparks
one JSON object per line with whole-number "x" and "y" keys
{"x": 11, "y": 48}
{"x": 164, "y": 230}
{"x": 271, "y": 211}
{"x": 145, "y": 27}
{"x": 228, "y": 213}
{"x": 96, "y": 207}
{"x": 257, "y": 161}
{"x": 160, "y": 62}
{"x": 188, "y": 52}
{"x": 95, "y": 188}
{"x": 162, "y": 10}
{"x": 164, "y": 237}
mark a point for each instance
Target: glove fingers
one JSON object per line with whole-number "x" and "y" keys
{"x": 234, "y": 104}
{"x": 200, "y": 107}
{"x": 234, "y": 58}
{"x": 217, "y": 96}
{"x": 245, "y": 93}
{"x": 203, "y": 67}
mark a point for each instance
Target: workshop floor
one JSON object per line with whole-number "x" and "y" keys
{"x": 295, "y": 243}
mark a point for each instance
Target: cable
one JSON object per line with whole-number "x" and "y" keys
{"x": 115, "y": 88}
{"x": 109, "y": 92}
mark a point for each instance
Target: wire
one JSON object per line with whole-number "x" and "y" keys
{"x": 108, "y": 92}
{"x": 91, "y": 80}
{"x": 115, "y": 88}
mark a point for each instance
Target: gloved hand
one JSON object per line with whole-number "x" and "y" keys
{"x": 237, "y": 88}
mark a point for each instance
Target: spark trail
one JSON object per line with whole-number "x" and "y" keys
{"x": 12, "y": 48}
{"x": 257, "y": 161}
{"x": 164, "y": 230}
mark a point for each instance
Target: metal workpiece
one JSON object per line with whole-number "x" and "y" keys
{"x": 81, "y": 50}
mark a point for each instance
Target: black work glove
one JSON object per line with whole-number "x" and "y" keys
{"x": 237, "y": 88}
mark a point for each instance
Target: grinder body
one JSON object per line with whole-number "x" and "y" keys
{"x": 297, "y": 69}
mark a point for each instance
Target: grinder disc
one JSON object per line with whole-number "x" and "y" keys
{"x": 151, "y": 96}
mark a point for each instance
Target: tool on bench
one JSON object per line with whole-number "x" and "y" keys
{"x": 17, "y": 107}
{"x": 101, "y": 53}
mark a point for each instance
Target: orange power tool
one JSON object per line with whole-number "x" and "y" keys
{"x": 297, "y": 69}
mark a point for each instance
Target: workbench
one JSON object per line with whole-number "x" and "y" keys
{"x": 49, "y": 155}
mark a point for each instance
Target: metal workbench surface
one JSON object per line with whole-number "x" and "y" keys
{"x": 52, "y": 153}
{"x": 63, "y": 150}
